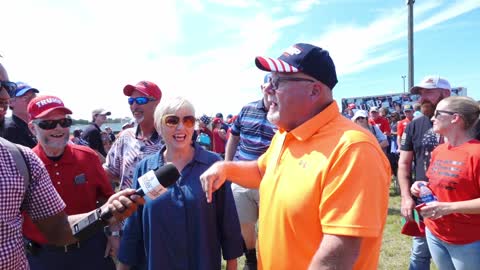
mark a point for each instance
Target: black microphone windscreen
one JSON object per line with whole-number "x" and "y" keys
{"x": 167, "y": 174}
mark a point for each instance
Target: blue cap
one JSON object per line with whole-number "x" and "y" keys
{"x": 302, "y": 57}
{"x": 23, "y": 88}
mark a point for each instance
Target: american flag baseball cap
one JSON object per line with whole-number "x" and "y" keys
{"x": 301, "y": 57}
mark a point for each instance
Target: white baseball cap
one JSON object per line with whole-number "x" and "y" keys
{"x": 359, "y": 113}
{"x": 431, "y": 82}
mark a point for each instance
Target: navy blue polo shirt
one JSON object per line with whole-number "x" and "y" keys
{"x": 179, "y": 229}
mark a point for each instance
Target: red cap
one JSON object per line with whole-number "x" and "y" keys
{"x": 43, "y": 105}
{"x": 145, "y": 87}
{"x": 351, "y": 106}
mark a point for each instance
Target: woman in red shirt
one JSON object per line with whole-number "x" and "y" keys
{"x": 453, "y": 222}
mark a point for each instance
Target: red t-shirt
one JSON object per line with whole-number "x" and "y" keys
{"x": 401, "y": 126}
{"x": 382, "y": 124}
{"x": 454, "y": 175}
{"x": 79, "y": 179}
{"x": 218, "y": 142}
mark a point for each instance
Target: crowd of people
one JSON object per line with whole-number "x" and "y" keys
{"x": 290, "y": 182}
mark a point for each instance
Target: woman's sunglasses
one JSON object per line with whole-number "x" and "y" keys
{"x": 172, "y": 120}
{"x": 139, "y": 100}
{"x": 51, "y": 124}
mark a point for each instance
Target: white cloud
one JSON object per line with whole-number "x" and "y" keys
{"x": 86, "y": 51}
{"x": 303, "y": 5}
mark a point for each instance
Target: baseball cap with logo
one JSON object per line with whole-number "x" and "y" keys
{"x": 431, "y": 82}
{"x": 145, "y": 87}
{"x": 407, "y": 107}
{"x": 100, "y": 112}
{"x": 301, "y": 57}
{"x": 43, "y": 105}
{"x": 23, "y": 88}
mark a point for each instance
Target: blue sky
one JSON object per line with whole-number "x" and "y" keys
{"x": 86, "y": 51}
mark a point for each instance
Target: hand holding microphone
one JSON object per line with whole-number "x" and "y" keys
{"x": 123, "y": 204}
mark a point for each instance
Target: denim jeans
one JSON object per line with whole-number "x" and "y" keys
{"x": 420, "y": 257}
{"x": 453, "y": 257}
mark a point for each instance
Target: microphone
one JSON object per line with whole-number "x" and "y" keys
{"x": 152, "y": 184}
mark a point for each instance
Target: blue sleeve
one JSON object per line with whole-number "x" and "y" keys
{"x": 227, "y": 218}
{"x": 132, "y": 250}
{"x": 236, "y": 125}
{"x": 379, "y": 134}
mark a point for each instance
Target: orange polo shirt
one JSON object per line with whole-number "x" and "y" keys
{"x": 327, "y": 176}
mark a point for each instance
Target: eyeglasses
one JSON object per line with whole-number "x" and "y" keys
{"x": 274, "y": 82}
{"x": 172, "y": 120}
{"x": 139, "y": 100}
{"x": 9, "y": 86}
{"x": 361, "y": 118}
{"x": 438, "y": 113}
{"x": 51, "y": 124}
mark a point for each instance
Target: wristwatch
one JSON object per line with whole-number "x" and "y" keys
{"x": 109, "y": 232}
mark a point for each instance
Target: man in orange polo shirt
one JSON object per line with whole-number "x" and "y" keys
{"x": 323, "y": 181}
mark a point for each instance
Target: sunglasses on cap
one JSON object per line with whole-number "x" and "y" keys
{"x": 9, "y": 86}
{"x": 139, "y": 100}
{"x": 51, "y": 124}
{"x": 172, "y": 120}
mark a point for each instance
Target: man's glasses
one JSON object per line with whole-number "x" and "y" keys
{"x": 51, "y": 124}
{"x": 172, "y": 120}
{"x": 274, "y": 82}
{"x": 361, "y": 118}
{"x": 139, "y": 100}
{"x": 9, "y": 86}
{"x": 438, "y": 113}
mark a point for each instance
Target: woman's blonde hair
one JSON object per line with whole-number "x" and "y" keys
{"x": 170, "y": 107}
{"x": 466, "y": 107}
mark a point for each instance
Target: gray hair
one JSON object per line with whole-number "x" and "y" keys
{"x": 170, "y": 106}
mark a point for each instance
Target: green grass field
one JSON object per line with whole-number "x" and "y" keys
{"x": 395, "y": 251}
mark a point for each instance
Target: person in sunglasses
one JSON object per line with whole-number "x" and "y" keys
{"x": 79, "y": 179}
{"x": 135, "y": 143}
{"x": 453, "y": 220}
{"x": 180, "y": 230}
{"x": 361, "y": 118}
{"x": 16, "y": 128}
{"x": 323, "y": 181}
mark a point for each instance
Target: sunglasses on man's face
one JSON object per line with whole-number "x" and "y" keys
{"x": 139, "y": 100}
{"x": 51, "y": 124}
{"x": 172, "y": 120}
{"x": 9, "y": 86}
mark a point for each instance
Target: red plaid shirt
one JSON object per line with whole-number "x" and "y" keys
{"x": 41, "y": 201}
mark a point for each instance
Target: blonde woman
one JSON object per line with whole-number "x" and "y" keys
{"x": 180, "y": 230}
{"x": 453, "y": 222}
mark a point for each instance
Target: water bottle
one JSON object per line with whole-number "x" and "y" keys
{"x": 426, "y": 194}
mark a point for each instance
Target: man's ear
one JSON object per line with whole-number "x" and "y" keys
{"x": 32, "y": 128}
